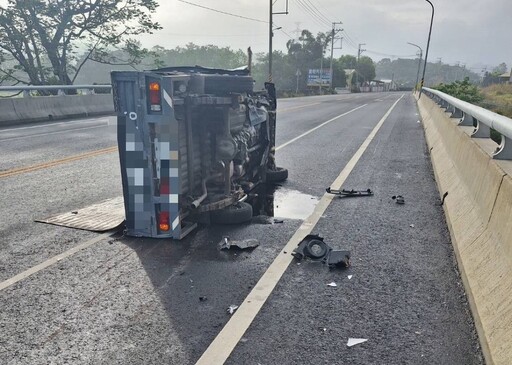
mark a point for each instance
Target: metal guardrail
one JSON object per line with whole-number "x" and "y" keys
{"x": 482, "y": 119}
{"x": 60, "y": 88}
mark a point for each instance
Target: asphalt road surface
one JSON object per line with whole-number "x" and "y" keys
{"x": 121, "y": 300}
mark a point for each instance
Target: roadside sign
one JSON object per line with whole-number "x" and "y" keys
{"x": 317, "y": 77}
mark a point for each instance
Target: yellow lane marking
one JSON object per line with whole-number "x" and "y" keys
{"x": 23, "y": 170}
{"x": 222, "y": 346}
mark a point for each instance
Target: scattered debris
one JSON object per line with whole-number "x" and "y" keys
{"x": 232, "y": 308}
{"x": 399, "y": 199}
{"x": 226, "y": 244}
{"x": 338, "y": 259}
{"x": 75, "y": 212}
{"x": 418, "y": 332}
{"x": 203, "y": 299}
{"x": 350, "y": 277}
{"x": 278, "y": 221}
{"x": 418, "y": 122}
{"x": 444, "y": 197}
{"x": 314, "y": 247}
{"x": 243, "y": 340}
{"x": 411, "y": 225}
{"x": 349, "y": 193}
{"x": 333, "y": 284}
{"x": 355, "y": 341}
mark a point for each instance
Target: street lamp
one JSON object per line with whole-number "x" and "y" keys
{"x": 428, "y": 44}
{"x": 419, "y": 65}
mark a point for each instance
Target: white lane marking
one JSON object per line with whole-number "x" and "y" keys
{"x": 85, "y": 121}
{"x": 222, "y": 346}
{"x": 51, "y": 133}
{"x": 318, "y": 126}
{"x": 43, "y": 265}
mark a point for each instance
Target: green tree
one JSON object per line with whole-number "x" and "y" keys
{"x": 348, "y": 62}
{"x": 463, "y": 90}
{"x": 307, "y": 52}
{"x": 208, "y": 56}
{"x": 366, "y": 69}
{"x": 500, "y": 69}
{"x": 44, "y": 36}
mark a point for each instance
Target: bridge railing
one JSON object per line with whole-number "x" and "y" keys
{"x": 482, "y": 119}
{"x": 26, "y": 89}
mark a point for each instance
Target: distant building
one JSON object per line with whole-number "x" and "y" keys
{"x": 505, "y": 78}
{"x": 389, "y": 85}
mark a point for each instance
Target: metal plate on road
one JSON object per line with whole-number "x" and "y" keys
{"x": 100, "y": 217}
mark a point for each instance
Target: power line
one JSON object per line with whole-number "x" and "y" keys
{"x": 349, "y": 39}
{"x": 223, "y": 12}
{"x": 208, "y": 35}
{"x": 389, "y": 55}
{"x": 307, "y": 9}
{"x": 318, "y": 11}
{"x": 289, "y": 36}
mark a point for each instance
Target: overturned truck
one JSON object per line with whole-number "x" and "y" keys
{"x": 194, "y": 144}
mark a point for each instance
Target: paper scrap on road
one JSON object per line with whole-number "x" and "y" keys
{"x": 350, "y": 277}
{"x": 412, "y": 225}
{"x": 355, "y": 341}
{"x": 232, "y": 308}
{"x": 333, "y": 284}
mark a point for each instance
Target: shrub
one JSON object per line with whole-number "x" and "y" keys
{"x": 463, "y": 90}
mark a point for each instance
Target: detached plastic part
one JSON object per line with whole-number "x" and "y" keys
{"x": 338, "y": 259}
{"x": 314, "y": 247}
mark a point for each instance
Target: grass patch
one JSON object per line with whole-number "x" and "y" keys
{"x": 498, "y": 98}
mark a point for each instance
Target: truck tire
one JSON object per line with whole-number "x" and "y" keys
{"x": 234, "y": 214}
{"x": 277, "y": 175}
{"x": 225, "y": 84}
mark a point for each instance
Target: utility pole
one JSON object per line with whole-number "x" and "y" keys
{"x": 359, "y": 51}
{"x": 333, "y": 35}
{"x": 271, "y": 35}
{"x": 428, "y": 44}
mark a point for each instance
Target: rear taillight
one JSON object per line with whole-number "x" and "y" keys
{"x": 155, "y": 97}
{"x": 163, "y": 221}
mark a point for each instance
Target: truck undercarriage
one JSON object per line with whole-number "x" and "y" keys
{"x": 194, "y": 143}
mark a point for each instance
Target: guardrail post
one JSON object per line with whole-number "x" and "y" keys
{"x": 26, "y": 94}
{"x": 481, "y": 130}
{"x": 457, "y": 113}
{"x": 467, "y": 120}
{"x": 504, "y": 151}
{"x": 61, "y": 92}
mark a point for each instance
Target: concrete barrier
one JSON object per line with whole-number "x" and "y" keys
{"x": 478, "y": 211}
{"x": 44, "y": 108}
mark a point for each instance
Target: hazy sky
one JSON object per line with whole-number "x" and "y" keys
{"x": 473, "y": 32}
